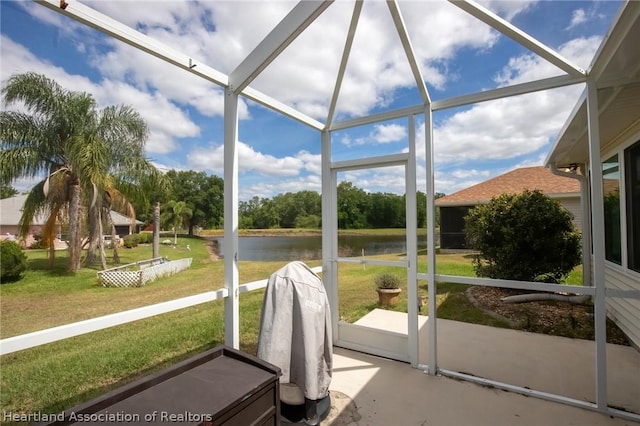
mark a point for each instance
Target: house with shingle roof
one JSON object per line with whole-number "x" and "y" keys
{"x": 454, "y": 207}
{"x": 11, "y": 212}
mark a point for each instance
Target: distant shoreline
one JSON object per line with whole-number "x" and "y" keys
{"x": 293, "y": 232}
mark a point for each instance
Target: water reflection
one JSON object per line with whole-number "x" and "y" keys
{"x": 310, "y": 247}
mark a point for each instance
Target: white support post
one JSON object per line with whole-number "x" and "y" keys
{"x": 329, "y": 232}
{"x": 585, "y": 204}
{"x": 432, "y": 350}
{"x": 230, "y": 241}
{"x": 412, "y": 248}
{"x": 597, "y": 229}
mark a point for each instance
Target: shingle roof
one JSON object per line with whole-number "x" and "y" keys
{"x": 513, "y": 182}
{"x": 11, "y": 211}
{"x": 120, "y": 219}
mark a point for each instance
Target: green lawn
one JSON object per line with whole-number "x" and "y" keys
{"x": 59, "y": 375}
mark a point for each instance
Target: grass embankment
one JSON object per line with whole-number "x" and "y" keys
{"x": 57, "y": 376}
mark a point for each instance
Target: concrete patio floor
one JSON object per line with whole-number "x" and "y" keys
{"x": 370, "y": 390}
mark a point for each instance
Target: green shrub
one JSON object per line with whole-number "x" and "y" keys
{"x": 526, "y": 237}
{"x": 145, "y": 238}
{"x": 38, "y": 244}
{"x": 387, "y": 281}
{"x": 130, "y": 241}
{"x": 13, "y": 261}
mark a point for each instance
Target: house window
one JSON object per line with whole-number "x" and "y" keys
{"x": 632, "y": 183}
{"x": 611, "y": 190}
{"x": 622, "y": 168}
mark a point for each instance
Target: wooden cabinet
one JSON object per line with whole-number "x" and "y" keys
{"x": 219, "y": 387}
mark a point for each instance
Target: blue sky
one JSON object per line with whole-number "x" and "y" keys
{"x": 457, "y": 54}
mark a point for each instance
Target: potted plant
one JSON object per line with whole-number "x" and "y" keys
{"x": 388, "y": 288}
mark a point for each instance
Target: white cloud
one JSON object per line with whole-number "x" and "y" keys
{"x": 267, "y": 165}
{"x": 502, "y": 129}
{"x": 219, "y": 33}
{"x": 148, "y": 73}
{"x": 312, "y": 162}
{"x": 17, "y": 59}
{"x": 470, "y": 173}
{"x": 288, "y": 171}
{"x": 380, "y": 134}
{"x": 166, "y": 121}
{"x": 250, "y": 160}
{"x": 531, "y": 162}
{"x": 268, "y": 190}
{"x": 222, "y": 34}
{"x": 508, "y": 9}
{"x": 382, "y": 179}
{"x": 509, "y": 128}
{"x": 524, "y": 68}
{"x": 389, "y": 133}
{"x": 578, "y": 17}
{"x": 581, "y": 17}
{"x": 447, "y": 184}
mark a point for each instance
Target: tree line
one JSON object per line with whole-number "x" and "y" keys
{"x": 202, "y": 199}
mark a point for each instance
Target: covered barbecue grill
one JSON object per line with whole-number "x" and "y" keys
{"x": 295, "y": 335}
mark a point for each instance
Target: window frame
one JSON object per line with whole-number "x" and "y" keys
{"x": 632, "y": 190}
{"x": 621, "y": 151}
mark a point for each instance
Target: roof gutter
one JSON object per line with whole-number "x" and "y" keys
{"x": 586, "y": 214}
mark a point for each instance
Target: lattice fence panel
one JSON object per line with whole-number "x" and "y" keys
{"x": 149, "y": 270}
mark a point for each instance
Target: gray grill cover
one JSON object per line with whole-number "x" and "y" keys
{"x": 295, "y": 329}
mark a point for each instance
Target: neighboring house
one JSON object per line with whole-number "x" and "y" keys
{"x": 11, "y": 212}
{"x": 125, "y": 225}
{"x": 454, "y": 207}
{"x": 612, "y": 157}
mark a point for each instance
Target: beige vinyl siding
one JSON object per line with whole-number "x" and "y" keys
{"x": 625, "y": 312}
{"x": 574, "y": 206}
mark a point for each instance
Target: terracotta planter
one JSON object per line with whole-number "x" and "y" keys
{"x": 388, "y": 296}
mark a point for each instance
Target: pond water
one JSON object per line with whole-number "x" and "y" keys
{"x": 310, "y": 247}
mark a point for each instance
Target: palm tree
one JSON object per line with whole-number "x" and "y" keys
{"x": 81, "y": 151}
{"x": 175, "y": 215}
{"x": 100, "y": 219}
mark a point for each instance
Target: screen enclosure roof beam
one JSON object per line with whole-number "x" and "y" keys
{"x": 519, "y": 36}
{"x": 299, "y": 18}
{"x": 130, "y": 36}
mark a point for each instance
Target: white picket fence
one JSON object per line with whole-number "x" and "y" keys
{"x": 139, "y": 273}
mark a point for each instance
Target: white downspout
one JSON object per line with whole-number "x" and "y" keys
{"x": 586, "y": 218}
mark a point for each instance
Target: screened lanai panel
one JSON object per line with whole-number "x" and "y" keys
{"x": 385, "y": 98}
{"x": 303, "y": 76}
{"x": 623, "y": 359}
{"x": 537, "y": 361}
{"x": 383, "y": 138}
